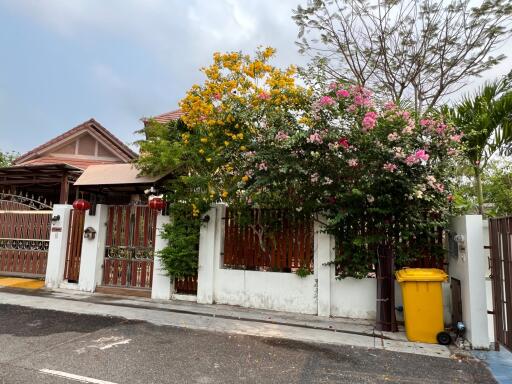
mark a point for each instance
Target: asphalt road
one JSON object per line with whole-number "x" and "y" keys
{"x": 119, "y": 351}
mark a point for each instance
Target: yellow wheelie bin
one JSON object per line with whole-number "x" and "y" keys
{"x": 423, "y": 304}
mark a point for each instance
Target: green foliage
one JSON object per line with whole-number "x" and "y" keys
{"x": 379, "y": 175}
{"x": 486, "y": 120}
{"x": 6, "y": 158}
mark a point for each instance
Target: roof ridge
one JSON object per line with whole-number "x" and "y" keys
{"x": 124, "y": 148}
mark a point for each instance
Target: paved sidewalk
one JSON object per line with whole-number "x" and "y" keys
{"x": 225, "y": 319}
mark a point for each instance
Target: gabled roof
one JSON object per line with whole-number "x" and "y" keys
{"x": 91, "y": 125}
{"x": 165, "y": 117}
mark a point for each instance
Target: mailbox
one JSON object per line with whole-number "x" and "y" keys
{"x": 90, "y": 233}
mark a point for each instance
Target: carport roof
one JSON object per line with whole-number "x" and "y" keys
{"x": 114, "y": 174}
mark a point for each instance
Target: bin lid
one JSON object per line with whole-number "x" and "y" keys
{"x": 421, "y": 274}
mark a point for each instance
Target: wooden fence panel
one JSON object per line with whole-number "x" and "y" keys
{"x": 268, "y": 240}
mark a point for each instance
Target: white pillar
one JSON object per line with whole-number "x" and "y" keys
{"x": 58, "y": 246}
{"x": 93, "y": 250}
{"x": 324, "y": 271}
{"x": 206, "y": 263}
{"x": 470, "y": 268}
{"x": 162, "y": 285}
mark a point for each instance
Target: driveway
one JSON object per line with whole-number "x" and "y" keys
{"x": 56, "y": 347}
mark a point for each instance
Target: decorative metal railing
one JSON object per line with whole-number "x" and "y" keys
{"x": 13, "y": 201}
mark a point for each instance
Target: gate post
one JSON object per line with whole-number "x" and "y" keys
{"x": 58, "y": 245}
{"x": 324, "y": 270}
{"x": 93, "y": 250}
{"x": 469, "y": 266}
{"x": 162, "y": 285}
{"x": 206, "y": 263}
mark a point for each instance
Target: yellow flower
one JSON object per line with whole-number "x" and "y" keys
{"x": 204, "y": 139}
{"x": 201, "y": 151}
{"x": 226, "y": 143}
{"x": 208, "y": 159}
{"x": 225, "y": 193}
{"x": 240, "y": 136}
{"x": 243, "y": 148}
{"x": 245, "y": 178}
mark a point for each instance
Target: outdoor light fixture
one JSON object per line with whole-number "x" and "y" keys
{"x": 81, "y": 205}
{"x": 205, "y": 218}
{"x": 55, "y": 218}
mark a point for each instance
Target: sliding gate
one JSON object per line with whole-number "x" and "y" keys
{"x": 24, "y": 235}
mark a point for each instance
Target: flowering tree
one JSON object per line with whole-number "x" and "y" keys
{"x": 224, "y": 119}
{"x": 377, "y": 176}
{"x": 252, "y": 138}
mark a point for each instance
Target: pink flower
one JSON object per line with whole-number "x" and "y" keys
{"x": 352, "y": 108}
{"x": 262, "y": 166}
{"x": 342, "y": 93}
{"x": 390, "y": 167}
{"x": 425, "y": 122}
{"x": 352, "y": 162}
{"x": 421, "y": 155}
{"x": 315, "y": 138}
{"x": 411, "y": 160}
{"x": 282, "y": 136}
{"x": 389, "y": 106}
{"x": 440, "y": 128}
{"x": 406, "y": 115}
{"x": 264, "y": 95}
{"x": 217, "y": 96}
{"x": 408, "y": 129}
{"x": 393, "y": 136}
{"x": 369, "y": 120}
{"x": 326, "y": 100}
{"x": 440, "y": 187}
{"x": 333, "y": 85}
{"x": 344, "y": 143}
{"x": 456, "y": 138}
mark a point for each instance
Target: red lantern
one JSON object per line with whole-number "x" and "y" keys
{"x": 157, "y": 203}
{"x": 81, "y": 205}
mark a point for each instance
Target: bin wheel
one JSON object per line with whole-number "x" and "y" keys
{"x": 444, "y": 338}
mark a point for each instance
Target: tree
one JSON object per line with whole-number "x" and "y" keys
{"x": 410, "y": 49}
{"x": 6, "y": 158}
{"x": 486, "y": 120}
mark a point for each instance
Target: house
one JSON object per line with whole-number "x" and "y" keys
{"x": 49, "y": 171}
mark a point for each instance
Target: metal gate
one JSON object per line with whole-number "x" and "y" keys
{"x": 74, "y": 247}
{"x": 24, "y": 235}
{"x": 130, "y": 246}
{"x": 500, "y": 231}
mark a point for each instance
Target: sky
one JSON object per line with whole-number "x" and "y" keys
{"x": 65, "y": 61}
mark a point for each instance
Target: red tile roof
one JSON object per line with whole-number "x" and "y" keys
{"x": 165, "y": 117}
{"x": 91, "y": 123}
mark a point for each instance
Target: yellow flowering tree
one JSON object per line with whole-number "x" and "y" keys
{"x": 242, "y": 97}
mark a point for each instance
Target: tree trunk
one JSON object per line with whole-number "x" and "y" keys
{"x": 478, "y": 190}
{"x": 386, "y": 319}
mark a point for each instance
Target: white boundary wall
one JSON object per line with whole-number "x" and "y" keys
{"x": 319, "y": 293}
